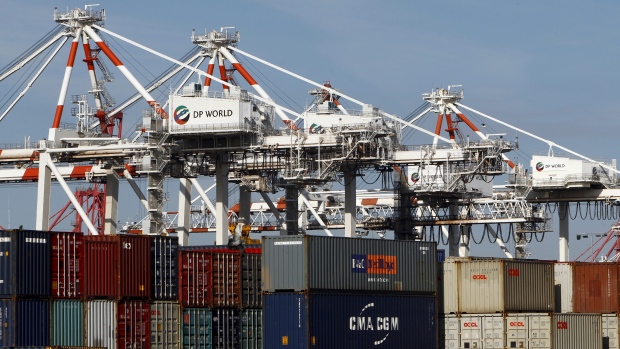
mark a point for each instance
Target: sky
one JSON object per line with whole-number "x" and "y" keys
{"x": 548, "y": 68}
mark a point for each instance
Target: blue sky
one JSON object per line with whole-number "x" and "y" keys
{"x": 546, "y": 67}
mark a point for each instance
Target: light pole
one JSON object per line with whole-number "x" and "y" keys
{"x": 590, "y": 236}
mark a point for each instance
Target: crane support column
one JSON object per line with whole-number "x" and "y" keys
{"x": 350, "y": 208}
{"x": 221, "y": 200}
{"x": 564, "y": 240}
{"x": 245, "y": 202}
{"x": 43, "y": 193}
{"x": 111, "y": 203}
{"x": 185, "y": 203}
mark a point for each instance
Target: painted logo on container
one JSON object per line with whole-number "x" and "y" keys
{"x": 562, "y": 325}
{"x": 373, "y": 264}
{"x": 181, "y": 115}
{"x": 383, "y": 325}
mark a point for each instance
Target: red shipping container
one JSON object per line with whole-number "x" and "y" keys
{"x": 226, "y": 276}
{"x": 67, "y": 265}
{"x": 118, "y": 266}
{"x": 195, "y": 278}
{"x": 595, "y": 287}
{"x": 133, "y": 325}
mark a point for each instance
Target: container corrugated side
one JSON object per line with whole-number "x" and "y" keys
{"x": 497, "y": 285}
{"x": 67, "y": 264}
{"x": 577, "y": 331}
{"x": 595, "y": 287}
{"x": 449, "y": 334}
{"x": 133, "y": 324}
{"x": 251, "y": 282}
{"x": 226, "y": 276}
{"x": 323, "y": 320}
{"x": 164, "y": 262}
{"x": 226, "y": 328}
{"x": 100, "y": 317}
{"x": 196, "y": 328}
{"x": 25, "y": 269}
{"x": 67, "y": 317}
{"x": 447, "y": 287}
{"x": 611, "y": 331}
{"x": 19, "y": 318}
{"x": 297, "y": 263}
{"x": 528, "y": 330}
{"x": 112, "y": 254}
{"x": 251, "y": 329}
{"x": 195, "y": 281}
{"x": 165, "y": 325}
{"x": 563, "y": 276}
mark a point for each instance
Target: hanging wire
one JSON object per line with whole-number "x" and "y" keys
{"x": 486, "y": 230}
{"x": 471, "y": 233}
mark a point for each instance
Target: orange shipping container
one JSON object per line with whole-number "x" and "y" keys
{"x": 595, "y": 287}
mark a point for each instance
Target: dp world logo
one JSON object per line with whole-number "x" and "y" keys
{"x": 181, "y": 115}
{"x": 540, "y": 166}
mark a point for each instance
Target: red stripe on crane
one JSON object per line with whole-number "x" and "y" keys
{"x": 117, "y": 62}
{"x": 469, "y": 123}
{"x": 31, "y": 174}
{"x": 210, "y": 70}
{"x": 57, "y": 116}
{"x": 438, "y": 125}
{"x": 72, "y": 53}
{"x": 245, "y": 74}
{"x": 79, "y": 172}
{"x": 370, "y": 202}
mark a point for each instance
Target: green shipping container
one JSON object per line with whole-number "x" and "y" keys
{"x": 197, "y": 328}
{"x": 67, "y": 323}
{"x": 251, "y": 329}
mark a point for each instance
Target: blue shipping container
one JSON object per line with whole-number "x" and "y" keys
{"x": 335, "y": 321}
{"x": 67, "y": 323}
{"x": 165, "y": 267}
{"x": 25, "y": 263}
{"x": 196, "y": 328}
{"x": 441, "y": 255}
{"x": 24, "y": 322}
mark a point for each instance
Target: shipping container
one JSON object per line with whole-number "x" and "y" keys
{"x": 18, "y": 318}
{"x": 165, "y": 325}
{"x": 165, "y": 271}
{"x": 67, "y": 264}
{"x": 133, "y": 324}
{"x": 100, "y": 317}
{"x": 470, "y": 327}
{"x": 251, "y": 329}
{"x": 324, "y": 320}
{"x": 25, "y": 269}
{"x": 226, "y": 328}
{"x": 502, "y": 285}
{"x": 195, "y": 282}
{"x": 117, "y": 266}
{"x": 197, "y": 328}
{"x": 595, "y": 287}
{"x": 493, "y": 331}
{"x": 297, "y": 263}
{"x": 67, "y": 317}
{"x": 441, "y": 255}
{"x": 563, "y": 275}
{"x": 577, "y": 331}
{"x": 251, "y": 279}
{"x": 449, "y": 333}
{"x": 525, "y": 330}
{"x": 226, "y": 275}
{"x": 447, "y": 286}
{"x": 610, "y": 331}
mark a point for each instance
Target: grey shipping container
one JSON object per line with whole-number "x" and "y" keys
{"x": 25, "y": 263}
{"x": 100, "y": 324}
{"x": 251, "y": 329}
{"x": 165, "y": 262}
{"x": 197, "y": 328}
{"x": 501, "y": 285}
{"x": 577, "y": 331}
{"x": 298, "y": 263}
{"x": 18, "y": 318}
{"x": 67, "y": 319}
{"x": 326, "y": 321}
{"x": 165, "y": 325}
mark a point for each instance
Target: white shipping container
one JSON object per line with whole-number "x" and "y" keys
{"x": 610, "y": 331}
{"x": 540, "y": 330}
{"x": 165, "y": 325}
{"x": 493, "y": 331}
{"x": 447, "y": 285}
{"x": 449, "y": 331}
{"x": 563, "y": 287}
{"x": 101, "y": 323}
{"x": 471, "y": 331}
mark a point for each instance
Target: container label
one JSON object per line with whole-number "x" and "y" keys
{"x": 276, "y": 243}
{"x": 471, "y": 324}
{"x": 562, "y": 325}
{"x": 380, "y": 324}
{"x": 5, "y": 239}
{"x": 373, "y": 264}
{"x": 36, "y": 240}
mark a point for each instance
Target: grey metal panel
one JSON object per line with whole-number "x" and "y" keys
{"x": 67, "y": 323}
{"x": 165, "y": 325}
{"x": 577, "y": 331}
{"x": 523, "y": 279}
{"x": 296, "y": 263}
{"x": 101, "y": 323}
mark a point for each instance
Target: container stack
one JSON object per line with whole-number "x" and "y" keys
{"x": 331, "y": 292}
{"x": 25, "y": 280}
{"x": 165, "y": 330}
{"x": 220, "y": 296}
{"x": 496, "y": 303}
